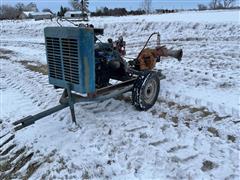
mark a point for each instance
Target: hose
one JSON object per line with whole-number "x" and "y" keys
{"x": 158, "y": 42}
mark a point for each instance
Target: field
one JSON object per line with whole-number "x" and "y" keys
{"x": 192, "y": 132}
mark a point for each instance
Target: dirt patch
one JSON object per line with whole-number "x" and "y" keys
{"x": 4, "y": 57}
{"x": 143, "y": 135}
{"x": 163, "y": 115}
{"x": 157, "y": 143}
{"x": 176, "y": 148}
{"x": 206, "y": 113}
{"x": 20, "y": 163}
{"x": 187, "y": 122}
{"x": 171, "y": 103}
{"x": 231, "y": 138}
{"x": 213, "y": 131}
{"x": 7, "y": 140}
{"x": 85, "y": 175}
{"x": 154, "y": 112}
{"x": 5, "y": 167}
{"x": 208, "y": 165}
{"x": 36, "y": 67}
{"x": 8, "y": 150}
{"x": 175, "y": 120}
{"x": 4, "y": 53}
{"x": 31, "y": 169}
{"x": 62, "y": 165}
{"x": 193, "y": 110}
{"x": 218, "y": 118}
{"x": 203, "y": 110}
{"x": 181, "y": 107}
{"x": 226, "y": 85}
{"x": 9, "y": 169}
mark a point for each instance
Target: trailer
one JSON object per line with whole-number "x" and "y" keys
{"x": 82, "y": 67}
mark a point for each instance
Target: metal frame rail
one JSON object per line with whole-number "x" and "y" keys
{"x": 68, "y": 99}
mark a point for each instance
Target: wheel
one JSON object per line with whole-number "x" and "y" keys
{"x": 145, "y": 91}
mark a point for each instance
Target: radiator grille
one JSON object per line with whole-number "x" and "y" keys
{"x": 63, "y": 52}
{"x": 54, "y": 58}
{"x": 70, "y": 60}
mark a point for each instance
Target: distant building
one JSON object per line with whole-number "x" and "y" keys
{"x": 41, "y": 15}
{"x": 35, "y": 15}
{"x": 25, "y": 15}
{"x": 73, "y": 14}
{"x": 76, "y": 14}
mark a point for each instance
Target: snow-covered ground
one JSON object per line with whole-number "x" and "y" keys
{"x": 192, "y": 132}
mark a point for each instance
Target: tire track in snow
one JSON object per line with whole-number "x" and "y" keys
{"x": 116, "y": 107}
{"x": 31, "y": 84}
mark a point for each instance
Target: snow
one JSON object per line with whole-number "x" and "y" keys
{"x": 194, "y": 121}
{"x": 10, "y": 108}
{"x": 27, "y": 13}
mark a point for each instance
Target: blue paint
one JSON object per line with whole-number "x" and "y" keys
{"x": 85, "y": 58}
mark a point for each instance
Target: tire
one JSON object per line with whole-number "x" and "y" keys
{"x": 145, "y": 91}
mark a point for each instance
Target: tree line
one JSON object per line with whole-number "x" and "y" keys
{"x": 218, "y": 4}
{"x": 116, "y": 12}
{"x": 14, "y": 12}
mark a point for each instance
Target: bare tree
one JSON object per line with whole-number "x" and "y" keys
{"x": 147, "y": 6}
{"x": 31, "y": 7}
{"x": 8, "y": 12}
{"x": 228, "y": 3}
{"x": 20, "y": 7}
{"x": 215, "y": 4}
{"x": 81, "y": 5}
{"x": 202, "y": 7}
{"x": 62, "y": 11}
{"x": 14, "y": 12}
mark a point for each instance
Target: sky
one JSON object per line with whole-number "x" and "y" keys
{"x": 54, "y": 5}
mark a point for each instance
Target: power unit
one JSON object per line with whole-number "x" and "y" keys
{"x": 71, "y": 56}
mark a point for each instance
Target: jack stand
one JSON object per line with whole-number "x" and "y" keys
{"x": 71, "y": 103}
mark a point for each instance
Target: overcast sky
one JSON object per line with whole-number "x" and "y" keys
{"x": 128, "y": 4}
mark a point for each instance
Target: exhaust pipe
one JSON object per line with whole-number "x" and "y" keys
{"x": 175, "y": 53}
{"x": 170, "y": 52}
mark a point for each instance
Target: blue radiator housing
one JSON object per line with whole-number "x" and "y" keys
{"x": 70, "y": 58}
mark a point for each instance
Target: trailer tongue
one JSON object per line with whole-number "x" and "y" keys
{"x": 68, "y": 99}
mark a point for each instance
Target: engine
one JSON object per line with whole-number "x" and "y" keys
{"x": 108, "y": 64}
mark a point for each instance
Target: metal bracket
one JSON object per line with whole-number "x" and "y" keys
{"x": 68, "y": 99}
{"x": 71, "y": 103}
